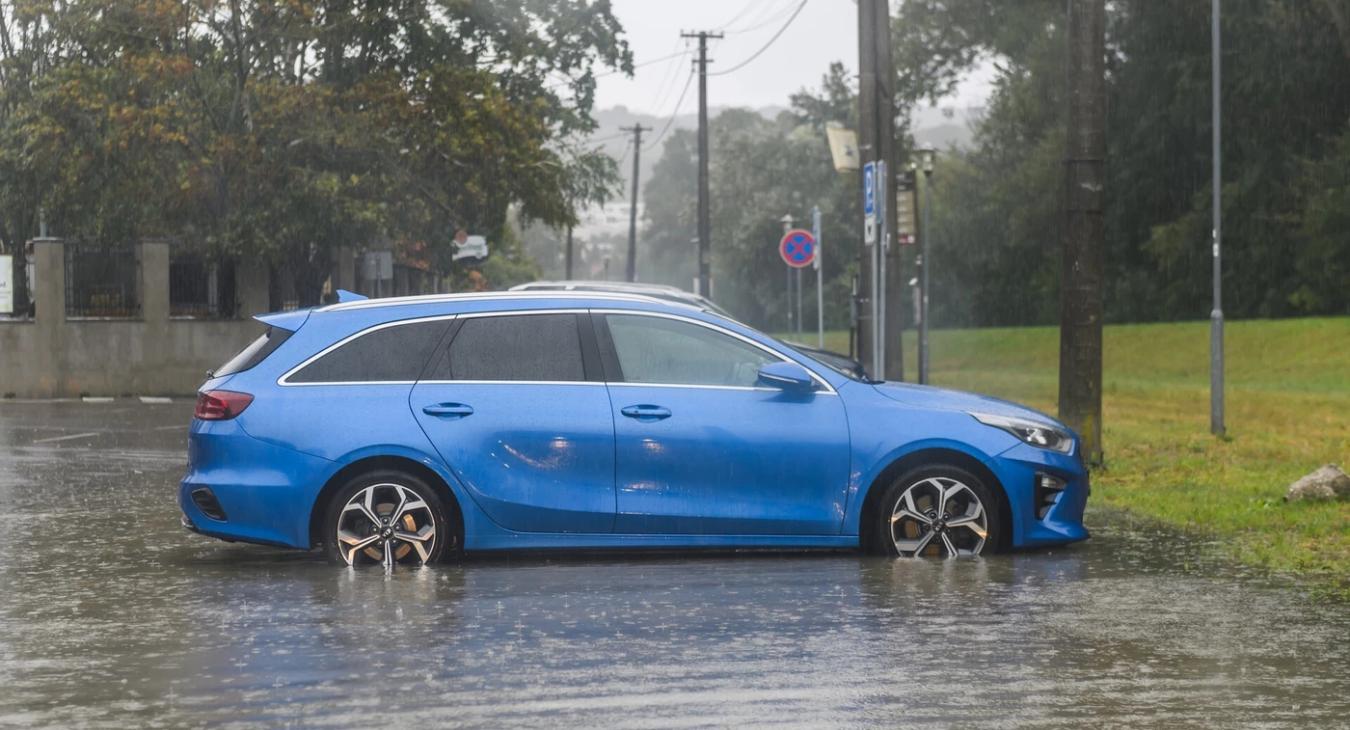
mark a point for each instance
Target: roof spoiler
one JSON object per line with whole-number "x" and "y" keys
{"x": 289, "y": 321}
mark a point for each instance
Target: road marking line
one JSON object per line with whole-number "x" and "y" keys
{"x": 154, "y": 399}
{"x": 97, "y": 399}
{"x": 66, "y": 438}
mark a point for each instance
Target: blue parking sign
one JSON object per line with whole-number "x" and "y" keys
{"x": 870, "y": 189}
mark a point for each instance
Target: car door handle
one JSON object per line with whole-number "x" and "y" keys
{"x": 448, "y": 410}
{"x": 645, "y": 412}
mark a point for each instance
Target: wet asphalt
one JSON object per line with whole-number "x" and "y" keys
{"x": 112, "y": 616}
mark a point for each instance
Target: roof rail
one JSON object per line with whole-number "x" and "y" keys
{"x": 499, "y": 295}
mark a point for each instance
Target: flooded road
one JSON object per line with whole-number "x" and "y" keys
{"x": 112, "y": 615}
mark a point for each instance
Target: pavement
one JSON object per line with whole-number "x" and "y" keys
{"x": 112, "y": 616}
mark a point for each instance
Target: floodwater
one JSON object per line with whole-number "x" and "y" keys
{"x": 111, "y": 615}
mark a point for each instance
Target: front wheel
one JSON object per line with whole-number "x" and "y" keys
{"x": 386, "y": 517}
{"x": 938, "y": 511}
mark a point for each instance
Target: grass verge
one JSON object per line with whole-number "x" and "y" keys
{"x": 1288, "y": 412}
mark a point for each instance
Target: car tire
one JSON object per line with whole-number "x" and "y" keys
{"x": 387, "y": 517}
{"x": 937, "y": 511}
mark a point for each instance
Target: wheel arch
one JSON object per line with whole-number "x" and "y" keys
{"x": 932, "y": 456}
{"x": 377, "y": 462}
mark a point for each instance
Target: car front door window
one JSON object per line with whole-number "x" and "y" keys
{"x": 662, "y": 351}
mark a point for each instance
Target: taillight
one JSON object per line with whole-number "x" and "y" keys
{"x": 221, "y": 405}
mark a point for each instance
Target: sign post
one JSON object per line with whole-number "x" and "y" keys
{"x": 820, "y": 279}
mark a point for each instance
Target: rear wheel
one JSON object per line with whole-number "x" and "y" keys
{"x": 389, "y": 518}
{"x": 938, "y": 511}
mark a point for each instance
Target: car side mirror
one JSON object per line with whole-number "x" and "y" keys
{"x": 788, "y": 376}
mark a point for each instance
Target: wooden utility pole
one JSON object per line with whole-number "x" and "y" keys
{"x": 704, "y": 211}
{"x": 631, "y": 270}
{"x": 1080, "y": 329}
{"x": 876, "y": 118}
{"x": 568, "y": 269}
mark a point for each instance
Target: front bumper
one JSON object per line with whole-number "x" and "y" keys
{"x": 1062, "y": 522}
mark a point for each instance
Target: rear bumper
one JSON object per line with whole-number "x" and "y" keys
{"x": 265, "y": 491}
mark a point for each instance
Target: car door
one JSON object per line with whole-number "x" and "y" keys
{"x": 701, "y": 447}
{"x": 518, "y": 410}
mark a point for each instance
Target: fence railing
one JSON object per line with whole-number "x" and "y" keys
{"x": 201, "y": 287}
{"x": 102, "y": 281}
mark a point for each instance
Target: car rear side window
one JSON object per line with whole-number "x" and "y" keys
{"x": 392, "y": 353}
{"x": 256, "y": 352}
{"x": 540, "y": 347}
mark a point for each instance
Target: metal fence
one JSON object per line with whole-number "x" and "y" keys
{"x": 102, "y": 281}
{"x": 201, "y": 287}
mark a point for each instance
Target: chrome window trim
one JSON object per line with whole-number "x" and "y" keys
{"x": 828, "y": 389}
{"x": 284, "y": 380}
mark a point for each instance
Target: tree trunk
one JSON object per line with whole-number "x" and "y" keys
{"x": 1080, "y": 343}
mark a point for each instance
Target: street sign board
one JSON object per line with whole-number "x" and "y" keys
{"x": 843, "y": 147}
{"x": 377, "y": 265}
{"x": 798, "y": 248}
{"x": 905, "y": 222}
{"x": 870, "y": 189}
{"x": 870, "y": 203}
{"x": 473, "y": 247}
{"x": 6, "y": 284}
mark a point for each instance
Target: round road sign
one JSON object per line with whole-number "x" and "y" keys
{"x": 798, "y": 248}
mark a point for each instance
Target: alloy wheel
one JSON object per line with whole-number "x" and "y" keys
{"x": 386, "y": 523}
{"x": 939, "y": 517}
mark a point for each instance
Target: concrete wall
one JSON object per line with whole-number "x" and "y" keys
{"x": 56, "y": 357}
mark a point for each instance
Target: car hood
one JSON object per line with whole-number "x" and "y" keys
{"x": 925, "y": 396}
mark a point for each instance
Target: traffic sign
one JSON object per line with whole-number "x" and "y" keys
{"x": 798, "y": 248}
{"x": 870, "y": 189}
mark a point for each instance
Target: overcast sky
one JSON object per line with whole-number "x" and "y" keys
{"x": 824, "y": 31}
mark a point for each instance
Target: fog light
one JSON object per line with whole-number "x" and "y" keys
{"x": 1048, "y": 489}
{"x": 206, "y": 501}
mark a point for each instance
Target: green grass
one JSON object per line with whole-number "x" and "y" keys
{"x": 1288, "y": 412}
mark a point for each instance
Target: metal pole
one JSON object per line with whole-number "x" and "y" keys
{"x": 820, "y": 274}
{"x": 704, "y": 215}
{"x": 879, "y": 270}
{"x": 1216, "y": 425}
{"x": 927, "y": 224}
{"x": 631, "y": 270}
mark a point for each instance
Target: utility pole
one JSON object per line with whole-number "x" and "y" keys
{"x": 1080, "y": 329}
{"x": 568, "y": 274}
{"x": 880, "y": 267}
{"x": 704, "y": 212}
{"x": 1216, "y": 314}
{"x": 637, "y": 130}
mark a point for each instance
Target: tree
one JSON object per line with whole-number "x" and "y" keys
{"x": 284, "y": 130}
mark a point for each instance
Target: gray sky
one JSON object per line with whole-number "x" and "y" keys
{"x": 824, "y": 31}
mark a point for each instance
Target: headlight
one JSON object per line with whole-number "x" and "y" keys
{"x": 1037, "y": 434}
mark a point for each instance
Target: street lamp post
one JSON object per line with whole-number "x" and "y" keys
{"x": 926, "y": 161}
{"x": 1216, "y": 425}
{"x": 787, "y": 221}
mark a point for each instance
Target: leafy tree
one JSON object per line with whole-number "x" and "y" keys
{"x": 284, "y": 129}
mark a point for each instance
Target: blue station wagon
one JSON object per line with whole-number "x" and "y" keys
{"x": 408, "y": 430}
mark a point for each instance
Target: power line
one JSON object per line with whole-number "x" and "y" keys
{"x": 667, "y": 85}
{"x": 674, "y": 113}
{"x": 745, "y": 10}
{"x": 765, "y": 47}
{"x": 773, "y": 15}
